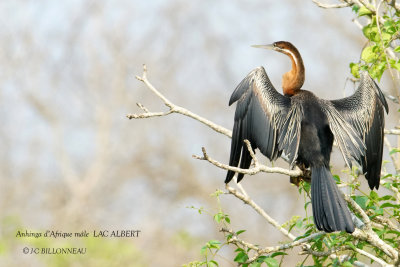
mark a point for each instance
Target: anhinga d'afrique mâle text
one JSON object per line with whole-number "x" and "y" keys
{"x": 303, "y": 127}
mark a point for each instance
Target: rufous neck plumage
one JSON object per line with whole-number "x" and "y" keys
{"x": 293, "y": 80}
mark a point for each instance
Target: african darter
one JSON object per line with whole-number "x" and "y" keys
{"x": 303, "y": 127}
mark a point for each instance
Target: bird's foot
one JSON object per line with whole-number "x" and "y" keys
{"x": 305, "y": 177}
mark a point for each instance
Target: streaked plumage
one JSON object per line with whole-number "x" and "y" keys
{"x": 303, "y": 127}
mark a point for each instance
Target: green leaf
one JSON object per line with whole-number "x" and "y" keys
{"x": 361, "y": 201}
{"x": 350, "y": 244}
{"x": 279, "y": 253}
{"x": 306, "y": 205}
{"x": 336, "y": 178}
{"x": 299, "y": 223}
{"x": 217, "y": 193}
{"x": 346, "y": 264}
{"x": 255, "y": 264}
{"x": 371, "y": 32}
{"x": 355, "y": 69}
{"x": 386, "y": 37}
{"x": 227, "y": 219}
{"x": 377, "y": 70}
{"x": 393, "y": 232}
{"x": 240, "y": 231}
{"x": 355, "y": 8}
{"x": 241, "y": 257}
{"x": 271, "y": 262}
{"x": 397, "y": 49}
{"x": 203, "y": 250}
{"x": 363, "y": 11}
{"x": 239, "y": 249}
{"x": 212, "y": 263}
{"x": 387, "y": 197}
{"x": 389, "y": 26}
{"x": 394, "y": 150}
{"x": 217, "y": 217}
{"x": 368, "y": 54}
{"x": 307, "y": 186}
{"x": 373, "y": 195}
{"x": 395, "y": 65}
{"x": 214, "y": 244}
{"x": 388, "y": 204}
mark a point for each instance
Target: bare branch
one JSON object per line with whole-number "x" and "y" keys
{"x": 324, "y": 253}
{"x": 394, "y": 160}
{"x": 383, "y": 221}
{"x": 251, "y": 151}
{"x": 260, "y": 211}
{"x": 148, "y": 115}
{"x": 142, "y": 107}
{"x": 357, "y": 208}
{"x": 390, "y": 97}
{"x": 252, "y": 171}
{"x": 392, "y": 132}
{"x": 372, "y": 257}
{"x": 372, "y": 238}
{"x": 358, "y": 24}
{"x": 173, "y": 108}
{"x": 322, "y": 5}
{"x": 268, "y": 250}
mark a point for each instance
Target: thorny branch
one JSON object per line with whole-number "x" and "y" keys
{"x": 366, "y": 233}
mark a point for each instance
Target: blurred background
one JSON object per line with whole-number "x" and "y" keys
{"x": 71, "y": 160}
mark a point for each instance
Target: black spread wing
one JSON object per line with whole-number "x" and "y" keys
{"x": 364, "y": 111}
{"x": 260, "y": 113}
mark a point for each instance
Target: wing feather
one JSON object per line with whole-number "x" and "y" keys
{"x": 364, "y": 111}
{"x": 260, "y": 114}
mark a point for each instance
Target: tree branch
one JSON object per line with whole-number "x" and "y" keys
{"x": 173, "y": 108}
{"x": 372, "y": 257}
{"x": 252, "y": 171}
{"x": 247, "y": 200}
{"x": 393, "y": 158}
{"x": 322, "y": 5}
{"x": 392, "y": 132}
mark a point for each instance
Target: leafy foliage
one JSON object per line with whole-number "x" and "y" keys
{"x": 381, "y": 32}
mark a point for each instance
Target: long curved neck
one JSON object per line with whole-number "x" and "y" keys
{"x": 293, "y": 80}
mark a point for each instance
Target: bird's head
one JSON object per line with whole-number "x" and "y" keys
{"x": 293, "y": 80}
{"x": 280, "y": 46}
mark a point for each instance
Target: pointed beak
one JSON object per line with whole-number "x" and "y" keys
{"x": 269, "y": 46}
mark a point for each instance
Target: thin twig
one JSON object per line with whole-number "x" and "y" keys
{"x": 372, "y": 257}
{"x": 372, "y": 238}
{"x": 268, "y": 250}
{"x": 332, "y": 6}
{"x": 392, "y": 132}
{"x": 174, "y": 108}
{"x": 252, "y": 171}
{"x": 260, "y": 211}
{"x": 357, "y": 208}
{"x": 394, "y": 160}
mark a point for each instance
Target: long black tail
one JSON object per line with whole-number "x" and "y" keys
{"x": 329, "y": 208}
